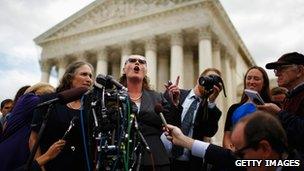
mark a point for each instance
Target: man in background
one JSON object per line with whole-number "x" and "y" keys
{"x": 289, "y": 69}
{"x": 199, "y": 119}
{"x": 6, "y": 107}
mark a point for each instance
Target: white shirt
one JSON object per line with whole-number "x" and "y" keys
{"x": 189, "y": 99}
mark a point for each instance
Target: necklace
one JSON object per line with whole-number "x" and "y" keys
{"x": 137, "y": 98}
{"x": 72, "y": 107}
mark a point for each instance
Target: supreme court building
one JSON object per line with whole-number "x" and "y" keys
{"x": 178, "y": 38}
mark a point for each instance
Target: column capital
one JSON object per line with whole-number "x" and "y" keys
{"x": 232, "y": 57}
{"x": 232, "y": 62}
{"x": 176, "y": 38}
{"x": 62, "y": 62}
{"x": 216, "y": 45}
{"x": 150, "y": 43}
{"x": 45, "y": 65}
{"x": 101, "y": 54}
{"x": 204, "y": 33}
{"x": 78, "y": 56}
{"x": 224, "y": 50}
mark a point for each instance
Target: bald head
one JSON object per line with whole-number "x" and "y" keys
{"x": 262, "y": 126}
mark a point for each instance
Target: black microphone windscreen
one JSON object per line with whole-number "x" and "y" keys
{"x": 115, "y": 83}
{"x": 70, "y": 95}
{"x": 104, "y": 81}
{"x": 158, "y": 108}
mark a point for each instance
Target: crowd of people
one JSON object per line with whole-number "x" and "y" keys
{"x": 272, "y": 130}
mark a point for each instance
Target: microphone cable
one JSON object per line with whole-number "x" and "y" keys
{"x": 127, "y": 145}
{"x": 85, "y": 145}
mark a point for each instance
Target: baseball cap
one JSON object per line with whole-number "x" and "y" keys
{"x": 287, "y": 59}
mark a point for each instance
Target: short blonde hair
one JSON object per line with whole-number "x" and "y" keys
{"x": 40, "y": 88}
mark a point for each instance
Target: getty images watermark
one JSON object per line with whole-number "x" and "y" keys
{"x": 268, "y": 163}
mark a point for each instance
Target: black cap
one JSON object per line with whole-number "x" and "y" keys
{"x": 287, "y": 59}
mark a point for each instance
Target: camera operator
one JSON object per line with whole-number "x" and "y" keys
{"x": 199, "y": 117}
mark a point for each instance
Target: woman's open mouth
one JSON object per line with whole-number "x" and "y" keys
{"x": 136, "y": 68}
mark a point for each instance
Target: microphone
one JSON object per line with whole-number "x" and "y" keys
{"x": 108, "y": 81}
{"x": 141, "y": 135}
{"x": 159, "y": 110}
{"x": 66, "y": 96}
{"x": 72, "y": 124}
{"x": 116, "y": 83}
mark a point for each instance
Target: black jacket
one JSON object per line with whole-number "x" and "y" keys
{"x": 224, "y": 159}
{"x": 205, "y": 125}
{"x": 150, "y": 125}
{"x": 292, "y": 118}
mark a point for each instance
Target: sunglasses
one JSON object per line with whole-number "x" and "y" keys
{"x": 134, "y": 60}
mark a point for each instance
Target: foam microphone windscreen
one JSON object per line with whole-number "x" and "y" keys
{"x": 158, "y": 108}
{"x": 70, "y": 95}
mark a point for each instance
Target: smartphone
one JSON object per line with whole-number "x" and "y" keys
{"x": 254, "y": 96}
{"x": 169, "y": 83}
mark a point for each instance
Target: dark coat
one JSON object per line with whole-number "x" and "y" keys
{"x": 14, "y": 140}
{"x": 224, "y": 159}
{"x": 292, "y": 118}
{"x": 150, "y": 125}
{"x": 205, "y": 125}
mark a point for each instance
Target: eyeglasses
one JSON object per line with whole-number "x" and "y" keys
{"x": 133, "y": 60}
{"x": 241, "y": 152}
{"x": 283, "y": 68}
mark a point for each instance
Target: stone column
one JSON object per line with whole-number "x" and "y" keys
{"x": 222, "y": 102}
{"x": 125, "y": 53}
{"x": 217, "y": 64}
{"x": 233, "y": 77}
{"x": 205, "y": 49}
{"x": 150, "y": 54}
{"x": 177, "y": 61}
{"x": 116, "y": 70}
{"x": 45, "y": 70}
{"x": 189, "y": 73}
{"x": 62, "y": 63}
{"x": 221, "y": 99}
{"x": 216, "y": 55}
{"x": 163, "y": 72}
{"x": 228, "y": 80}
{"x": 102, "y": 62}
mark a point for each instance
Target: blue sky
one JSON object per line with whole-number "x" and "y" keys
{"x": 268, "y": 28}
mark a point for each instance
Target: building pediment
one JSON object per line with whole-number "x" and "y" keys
{"x": 106, "y": 12}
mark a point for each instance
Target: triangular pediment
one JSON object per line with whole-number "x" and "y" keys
{"x": 105, "y": 12}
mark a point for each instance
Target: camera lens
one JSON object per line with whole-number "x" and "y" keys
{"x": 207, "y": 82}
